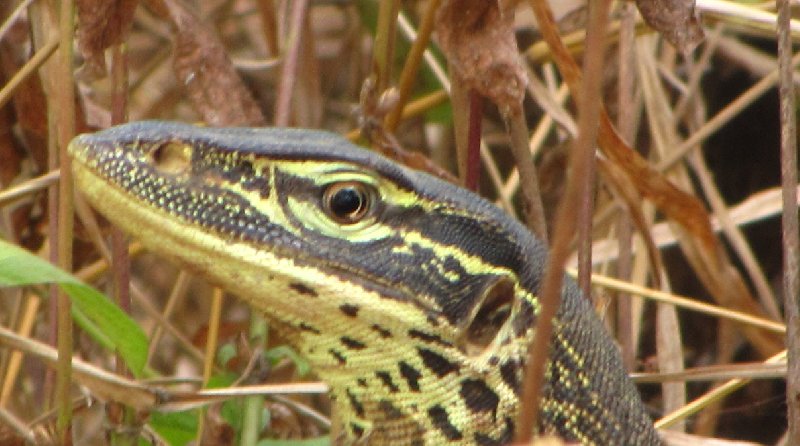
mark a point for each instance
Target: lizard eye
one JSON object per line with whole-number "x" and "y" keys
{"x": 347, "y": 202}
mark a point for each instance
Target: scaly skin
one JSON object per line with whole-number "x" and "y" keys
{"x": 414, "y": 299}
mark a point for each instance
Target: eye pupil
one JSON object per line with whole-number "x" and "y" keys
{"x": 347, "y": 202}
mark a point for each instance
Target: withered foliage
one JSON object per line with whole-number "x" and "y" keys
{"x": 676, "y": 20}
{"x": 222, "y": 64}
{"x": 204, "y": 69}
{"x": 102, "y": 23}
{"x": 479, "y": 41}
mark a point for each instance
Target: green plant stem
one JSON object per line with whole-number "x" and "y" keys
{"x": 254, "y": 405}
{"x": 384, "y": 43}
{"x": 66, "y": 130}
{"x": 411, "y": 67}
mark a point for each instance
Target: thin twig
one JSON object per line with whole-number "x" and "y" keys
{"x": 28, "y": 187}
{"x": 289, "y": 69}
{"x": 41, "y": 56}
{"x": 472, "y": 175}
{"x": 65, "y": 117}
{"x": 411, "y": 67}
{"x": 627, "y": 334}
{"x": 711, "y": 396}
{"x": 581, "y": 156}
{"x": 791, "y": 239}
{"x": 528, "y": 179}
{"x": 383, "y": 55}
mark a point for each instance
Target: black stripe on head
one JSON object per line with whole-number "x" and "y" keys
{"x": 428, "y": 337}
{"x": 437, "y": 363}
{"x": 338, "y": 356}
{"x": 479, "y": 397}
{"x": 411, "y": 375}
{"x": 441, "y": 421}
{"x": 230, "y": 167}
{"x": 352, "y": 344}
{"x": 349, "y": 310}
{"x": 510, "y": 372}
{"x": 355, "y": 404}
{"x": 387, "y": 380}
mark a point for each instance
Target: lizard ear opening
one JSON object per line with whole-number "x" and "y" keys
{"x": 492, "y": 312}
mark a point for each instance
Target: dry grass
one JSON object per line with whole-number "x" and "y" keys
{"x": 693, "y": 226}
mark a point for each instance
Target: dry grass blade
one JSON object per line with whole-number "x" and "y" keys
{"x": 758, "y": 207}
{"x": 39, "y": 58}
{"x": 411, "y": 66}
{"x": 104, "y": 385}
{"x": 673, "y": 438}
{"x": 683, "y": 302}
{"x": 716, "y": 394}
{"x": 143, "y": 397}
{"x": 717, "y": 373}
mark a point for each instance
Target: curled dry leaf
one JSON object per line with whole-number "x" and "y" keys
{"x": 478, "y": 38}
{"x": 102, "y": 23}
{"x": 205, "y": 70}
{"x": 676, "y": 20}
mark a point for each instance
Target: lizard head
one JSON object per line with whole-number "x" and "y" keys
{"x": 404, "y": 291}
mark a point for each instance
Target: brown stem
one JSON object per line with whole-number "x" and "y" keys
{"x": 791, "y": 243}
{"x": 580, "y": 159}
{"x": 473, "y": 175}
{"x": 289, "y": 69}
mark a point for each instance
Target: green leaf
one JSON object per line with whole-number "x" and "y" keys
{"x": 177, "y": 428}
{"x": 107, "y": 323}
{"x": 284, "y": 351}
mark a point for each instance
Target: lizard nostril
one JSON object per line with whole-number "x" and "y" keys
{"x": 172, "y": 157}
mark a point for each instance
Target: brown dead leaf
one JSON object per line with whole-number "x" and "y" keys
{"x": 30, "y": 105}
{"x": 628, "y": 195}
{"x": 205, "y": 70}
{"x": 478, "y": 38}
{"x": 216, "y": 430}
{"x": 676, "y": 20}
{"x": 102, "y": 23}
